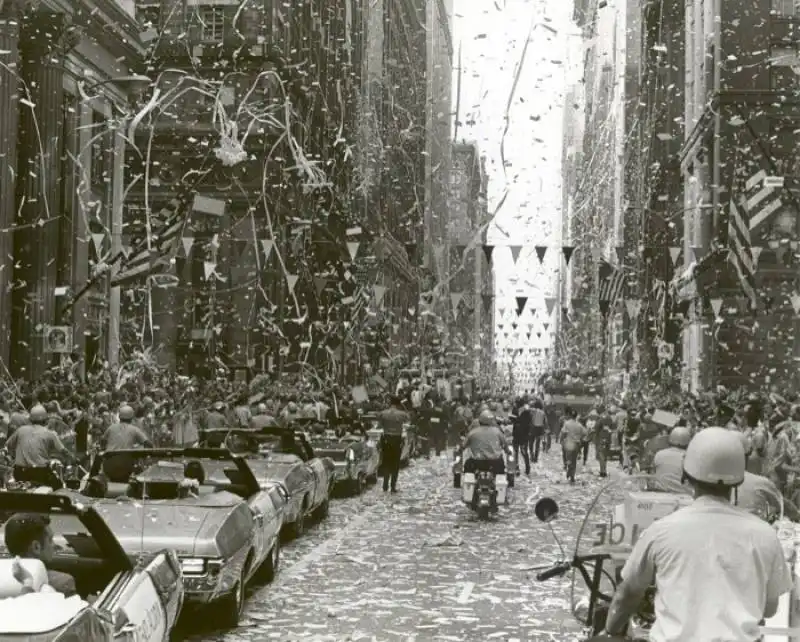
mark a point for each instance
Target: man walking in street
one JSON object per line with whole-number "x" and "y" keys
{"x": 391, "y": 421}
{"x": 538, "y": 422}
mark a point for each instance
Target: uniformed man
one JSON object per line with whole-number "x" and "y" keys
{"x": 391, "y": 421}
{"x": 33, "y": 446}
{"x": 668, "y": 462}
{"x": 125, "y": 435}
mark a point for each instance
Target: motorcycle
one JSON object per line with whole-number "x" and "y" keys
{"x": 605, "y": 538}
{"x": 484, "y": 491}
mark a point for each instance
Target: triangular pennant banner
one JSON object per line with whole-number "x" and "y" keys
{"x": 541, "y": 250}
{"x": 699, "y": 252}
{"x": 98, "y": 239}
{"x": 716, "y": 305}
{"x": 521, "y": 301}
{"x": 187, "y": 242}
{"x": 266, "y": 245}
{"x": 438, "y": 256}
{"x": 549, "y": 303}
{"x": 487, "y": 251}
{"x": 795, "y": 298}
{"x": 209, "y": 267}
{"x": 633, "y": 306}
{"x": 755, "y": 252}
{"x": 515, "y": 250}
{"x": 567, "y": 250}
{"x": 455, "y": 301}
{"x": 352, "y": 248}
{"x": 291, "y": 281}
{"x": 378, "y": 291}
{"x": 674, "y": 253}
{"x": 320, "y": 283}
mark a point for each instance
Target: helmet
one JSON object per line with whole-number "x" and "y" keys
{"x": 715, "y": 456}
{"x": 126, "y": 413}
{"x": 486, "y": 418}
{"x": 218, "y": 405}
{"x": 680, "y": 437}
{"x": 38, "y": 414}
{"x": 747, "y": 443}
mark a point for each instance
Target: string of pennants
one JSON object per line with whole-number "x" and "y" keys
{"x": 567, "y": 251}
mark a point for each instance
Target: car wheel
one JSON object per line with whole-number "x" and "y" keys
{"x": 361, "y": 483}
{"x": 232, "y": 605}
{"x": 269, "y": 569}
{"x": 322, "y": 511}
{"x": 456, "y": 480}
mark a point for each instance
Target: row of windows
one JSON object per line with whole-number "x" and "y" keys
{"x": 786, "y": 7}
{"x": 210, "y": 19}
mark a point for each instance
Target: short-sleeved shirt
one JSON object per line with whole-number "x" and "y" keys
{"x": 392, "y": 420}
{"x": 715, "y": 568}
{"x": 124, "y": 436}
{"x": 34, "y": 446}
{"x": 574, "y": 434}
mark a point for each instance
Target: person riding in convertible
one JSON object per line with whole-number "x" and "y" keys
{"x": 487, "y": 446}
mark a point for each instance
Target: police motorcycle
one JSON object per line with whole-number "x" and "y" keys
{"x": 483, "y": 491}
{"x": 616, "y": 517}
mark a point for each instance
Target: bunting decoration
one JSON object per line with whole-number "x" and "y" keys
{"x": 521, "y": 301}
{"x": 515, "y": 250}
{"x": 266, "y": 247}
{"x": 567, "y": 251}
{"x": 541, "y": 251}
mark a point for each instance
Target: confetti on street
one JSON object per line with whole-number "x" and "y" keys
{"x": 419, "y": 566}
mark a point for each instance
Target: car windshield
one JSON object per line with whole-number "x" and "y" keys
{"x": 71, "y": 538}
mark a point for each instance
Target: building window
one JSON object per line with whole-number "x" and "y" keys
{"x": 784, "y": 65}
{"x": 786, "y": 7}
{"x": 212, "y": 23}
{"x": 149, "y": 15}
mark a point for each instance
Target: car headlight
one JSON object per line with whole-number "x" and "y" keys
{"x": 350, "y": 455}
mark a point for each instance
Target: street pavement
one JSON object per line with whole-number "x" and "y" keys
{"x": 418, "y": 566}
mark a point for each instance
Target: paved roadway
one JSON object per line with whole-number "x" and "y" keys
{"x": 417, "y": 566}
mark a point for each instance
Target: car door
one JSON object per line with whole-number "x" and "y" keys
{"x": 144, "y": 607}
{"x": 261, "y": 506}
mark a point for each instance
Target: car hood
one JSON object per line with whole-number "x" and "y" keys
{"x": 149, "y": 528}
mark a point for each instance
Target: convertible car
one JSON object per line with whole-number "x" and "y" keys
{"x": 283, "y": 457}
{"x": 135, "y": 600}
{"x": 206, "y": 505}
{"x": 355, "y": 457}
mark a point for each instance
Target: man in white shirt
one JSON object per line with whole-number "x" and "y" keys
{"x": 718, "y": 571}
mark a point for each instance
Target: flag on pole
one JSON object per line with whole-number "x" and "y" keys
{"x": 612, "y": 281}
{"x": 167, "y": 226}
{"x": 739, "y": 225}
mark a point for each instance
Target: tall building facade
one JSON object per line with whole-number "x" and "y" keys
{"x": 739, "y": 175}
{"x": 263, "y": 276}
{"x": 63, "y": 84}
{"x": 594, "y": 189}
{"x": 438, "y": 125}
{"x": 467, "y": 210}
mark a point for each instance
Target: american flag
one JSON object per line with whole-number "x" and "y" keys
{"x": 760, "y": 201}
{"x": 739, "y": 244}
{"x": 612, "y": 280}
{"x": 144, "y": 261}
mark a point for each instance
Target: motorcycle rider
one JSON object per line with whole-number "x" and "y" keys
{"x": 719, "y": 571}
{"x": 33, "y": 446}
{"x": 668, "y": 462}
{"x": 487, "y": 446}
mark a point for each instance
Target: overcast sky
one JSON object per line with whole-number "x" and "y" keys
{"x": 492, "y": 36}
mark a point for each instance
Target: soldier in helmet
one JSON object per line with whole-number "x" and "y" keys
{"x": 33, "y": 446}
{"x": 124, "y": 434}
